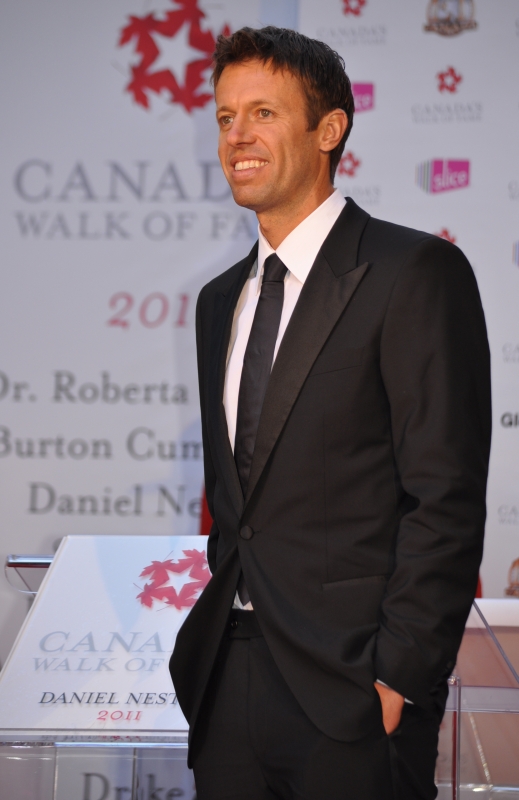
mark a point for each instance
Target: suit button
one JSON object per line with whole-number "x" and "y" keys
{"x": 246, "y": 532}
{"x": 234, "y": 624}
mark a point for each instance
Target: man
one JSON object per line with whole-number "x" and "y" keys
{"x": 344, "y": 384}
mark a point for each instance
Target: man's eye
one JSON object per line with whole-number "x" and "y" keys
{"x": 264, "y": 112}
{"x": 225, "y": 120}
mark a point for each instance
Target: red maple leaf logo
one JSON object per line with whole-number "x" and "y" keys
{"x": 143, "y": 30}
{"x": 348, "y": 165}
{"x": 448, "y": 80}
{"x": 159, "y": 589}
{"x": 445, "y": 234}
{"x": 353, "y": 7}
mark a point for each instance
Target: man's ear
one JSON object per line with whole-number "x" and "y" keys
{"x": 333, "y": 126}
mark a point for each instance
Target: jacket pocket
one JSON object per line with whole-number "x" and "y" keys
{"x": 354, "y": 582}
{"x": 334, "y": 360}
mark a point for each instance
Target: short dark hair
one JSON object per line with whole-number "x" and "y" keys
{"x": 319, "y": 68}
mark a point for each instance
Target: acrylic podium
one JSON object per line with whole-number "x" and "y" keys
{"x": 479, "y": 738}
{"x": 87, "y": 709}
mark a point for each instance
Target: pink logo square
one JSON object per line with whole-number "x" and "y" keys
{"x": 364, "y": 96}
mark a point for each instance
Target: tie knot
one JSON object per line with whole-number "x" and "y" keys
{"x": 273, "y": 269}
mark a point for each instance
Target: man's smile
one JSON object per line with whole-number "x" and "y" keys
{"x": 251, "y": 164}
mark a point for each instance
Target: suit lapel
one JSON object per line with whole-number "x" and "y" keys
{"x": 223, "y": 312}
{"x": 328, "y": 289}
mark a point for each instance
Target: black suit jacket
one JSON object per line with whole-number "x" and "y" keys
{"x": 367, "y": 490}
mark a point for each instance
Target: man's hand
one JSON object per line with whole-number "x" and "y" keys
{"x": 392, "y": 705}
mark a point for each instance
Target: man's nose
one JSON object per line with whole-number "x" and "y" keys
{"x": 240, "y": 132}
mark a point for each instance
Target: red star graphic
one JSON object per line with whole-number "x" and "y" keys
{"x": 143, "y": 30}
{"x": 348, "y": 165}
{"x": 445, "y": 234}
{"x": 354, "y": 7}
{"x": 195, "y": 563}
{"x": 448, "y": 81}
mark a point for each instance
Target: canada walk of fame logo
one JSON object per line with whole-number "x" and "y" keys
{"x": 451, "y": 110}
{"x": 148, "y": 35}
{"x": 353, "y": 7}
{"x": 442, "y": 175}
{"x": 448, "y": 80}
{"x": 348, "y": 165}
{"x": 176, "y": 584}
{"x": 450, "y": 17}
{"x": 363, "y": 194}
{"x": 364, "y": 96}
{"x": 447, "y": 235}
{"x": 353, "y": 32}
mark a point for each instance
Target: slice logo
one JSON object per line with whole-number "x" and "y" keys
{"x": 449, "y": 80}
{"x": 450, "y": 17}
{"x": 175, "y": 583}
{"x": 148, "y": 35}
{"x": 364, "y": 96}
{"x": 447, "y": 235}
{"x": 440, "y": 175}
{"x": 515, "y": 253}
{"x": 348, "y": 165}
{"x": 353, "y": 7}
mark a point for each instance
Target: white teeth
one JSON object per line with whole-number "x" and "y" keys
{"x": 249, "y": 164}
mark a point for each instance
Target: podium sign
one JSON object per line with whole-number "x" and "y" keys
{"x": 91, "y": 660}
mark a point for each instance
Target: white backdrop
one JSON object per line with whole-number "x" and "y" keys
{"x": 114, "y": 213}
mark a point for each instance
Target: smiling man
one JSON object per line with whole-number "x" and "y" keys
{"x": 344, "y": 386}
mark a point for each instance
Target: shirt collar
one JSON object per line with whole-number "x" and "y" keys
{"x": 299, "y": 249}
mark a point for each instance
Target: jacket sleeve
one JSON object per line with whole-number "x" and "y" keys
{"x": 435, "y": 365}
{"x": 202, "y": 346}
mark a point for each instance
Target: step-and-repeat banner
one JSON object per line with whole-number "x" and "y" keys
{"x": 114, "y": 212}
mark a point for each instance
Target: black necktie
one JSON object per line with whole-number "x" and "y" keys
{"x": 257, "y": 366}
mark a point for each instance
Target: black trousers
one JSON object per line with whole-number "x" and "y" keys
{"x": 254, "y": 742}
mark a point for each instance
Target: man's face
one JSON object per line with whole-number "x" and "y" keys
{"x": 268, "y": 156}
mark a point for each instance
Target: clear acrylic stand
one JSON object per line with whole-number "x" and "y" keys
{"x": 479, "y": 737}
{"x": 478, "y": 748}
